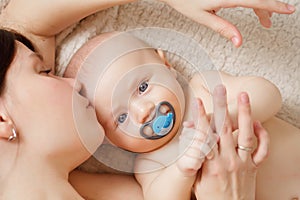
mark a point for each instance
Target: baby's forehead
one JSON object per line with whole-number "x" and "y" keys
{"x": 98, "y": 54}
{"x": 105, "y": 50}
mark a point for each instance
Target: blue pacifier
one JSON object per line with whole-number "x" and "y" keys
{"x": 161, "y": 124}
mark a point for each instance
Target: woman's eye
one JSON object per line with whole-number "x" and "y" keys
{"x": 122, "y": 118}
{"x": 46, "y": 71}
{"x": 143, "y": 87}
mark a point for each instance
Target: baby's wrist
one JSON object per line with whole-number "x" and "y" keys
{"x": 186, "y": 172}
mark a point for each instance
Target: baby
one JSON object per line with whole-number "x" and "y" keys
{"x": 141, "y": 105}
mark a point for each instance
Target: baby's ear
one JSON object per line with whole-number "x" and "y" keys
{"x": 161, "y": 54}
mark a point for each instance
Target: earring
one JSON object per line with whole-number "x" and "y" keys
{"x": 13, "y": 136}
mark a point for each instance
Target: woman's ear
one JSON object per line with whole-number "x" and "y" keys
{"x": 161, "y": 54}
{"x": 6, "y": 126}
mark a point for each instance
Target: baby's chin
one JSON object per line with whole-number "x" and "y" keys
{"x": 143, "y": 145}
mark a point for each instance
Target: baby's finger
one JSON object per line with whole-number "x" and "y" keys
{"x": 203, "y": 126}
{"x": 263, "y": 141}
{"x": 201, "y": 122}
{"x": 188, "y": 124}
{"x": 191, "y": 138}
{"x": 246, "y": 138}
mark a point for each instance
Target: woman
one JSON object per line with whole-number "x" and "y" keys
{"x": 39, "y": 141}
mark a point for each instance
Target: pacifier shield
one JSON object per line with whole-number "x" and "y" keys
{"x": 162, "y": 123}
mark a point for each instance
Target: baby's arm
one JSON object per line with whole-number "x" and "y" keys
{"x": 166, "y": 183}
{"x": 264, "y": 96}
{"x": 175, "y": 181}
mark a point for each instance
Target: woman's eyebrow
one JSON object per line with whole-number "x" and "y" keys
{"x": 37, "y": 55}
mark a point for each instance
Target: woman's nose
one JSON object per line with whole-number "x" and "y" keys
{"x": 75, "y": 84}
{"x": 142, "y": 110}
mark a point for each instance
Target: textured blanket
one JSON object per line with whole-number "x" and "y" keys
{"x": 272, "y": 53}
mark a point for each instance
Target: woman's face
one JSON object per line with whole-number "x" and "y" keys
{"x": 49, "y": 113}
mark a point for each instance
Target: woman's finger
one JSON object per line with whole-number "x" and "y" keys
{"x": 263, "y": 141}
{"x": 264, "y": 17}
{"x": 222, "y": 121}
{"x": 246, "y": 138}
{"x": 221, "y": 26}
{"x": 268, "y": 5}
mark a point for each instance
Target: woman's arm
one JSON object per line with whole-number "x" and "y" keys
{"x": 48, "y": 17}
{"x": 41, "y": 20}
{"x": 105, "y": 186}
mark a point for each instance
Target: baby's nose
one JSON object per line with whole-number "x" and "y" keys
{"x": 143, "y": 110}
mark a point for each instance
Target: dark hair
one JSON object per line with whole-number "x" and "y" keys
{"x": 8, "y": 50}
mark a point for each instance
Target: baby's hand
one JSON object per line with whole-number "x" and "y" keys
{"x": 193, "y": 149}
{"x": 195, "y": 143}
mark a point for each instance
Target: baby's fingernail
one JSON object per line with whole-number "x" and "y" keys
{"x": 290, "y": 7}
{"x": 244, "y": 98}
{"x": 195, "y": 103}
{"x": 235, "y": 40}
{"x": 257, "y": 124}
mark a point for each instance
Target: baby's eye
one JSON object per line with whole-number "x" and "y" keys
{"x": 143, "y": 87}
{"x": 122, "y": 118}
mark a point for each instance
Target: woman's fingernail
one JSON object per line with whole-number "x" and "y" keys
{"x": 220, "y": 89}
{"x": 235, "y": 40}
{"x": 290, "y": 7}
{"x": 244, "y": 98}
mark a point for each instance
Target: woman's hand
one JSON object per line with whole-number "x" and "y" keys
{"x": 204, "y": 12}
{"x": 231, "y": 172}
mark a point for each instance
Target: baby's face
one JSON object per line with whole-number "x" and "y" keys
{"x": 133, "y": 91}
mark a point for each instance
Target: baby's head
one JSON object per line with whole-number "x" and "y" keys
{"x": 137, "y": 98}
